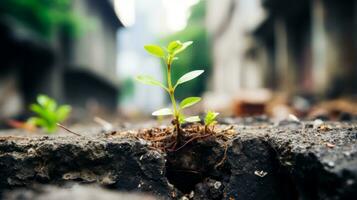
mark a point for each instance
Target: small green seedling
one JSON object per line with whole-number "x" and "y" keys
{"x": 48, "y": 113}
{"x": 169, "y": 54}
{"x": 210, "y": 119}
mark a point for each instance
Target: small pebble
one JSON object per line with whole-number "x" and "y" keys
{"x": 350, "y": 182}
{"x": 261, "y": 173}
{"x": 217, "y": 185}
{"x": 292, "y": 117}
{"x": 347, "y": 154}
{"x": 331, "y": 164}
{"x": 330, "y": 145}
{"x": 317, "y": 123}
{"x": 31, "y": 151}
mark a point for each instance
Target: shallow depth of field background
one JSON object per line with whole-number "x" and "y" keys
{"x": 261, "y": 57}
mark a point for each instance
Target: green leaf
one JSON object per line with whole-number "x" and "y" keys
{"x": 37, "y": 121}
{"x": 189, "y": 101}
{"x": 184, "y": 46}
{"x": 52, "y": 127}
{"x": 42, "y": 100}
{"x": 211, "y": 118}
{"x": 174, "y": 46}
{"x": 193, "y": 119}
{"x": 148, "y": 80}
{"x": 48, "y": 114}
{"x": 39, "y": 110}
{"x": 63, "y": 112}
{"x": 47, "y": 103}
{"x": 189, "y": 76}
{"x": 181, "y": 118}
{"x": 163, "y": 112}
{"x": 155, "y": 50}
{"x": 48, "y": 126}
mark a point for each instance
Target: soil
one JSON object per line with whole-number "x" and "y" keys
{"x": 247, "y": 159}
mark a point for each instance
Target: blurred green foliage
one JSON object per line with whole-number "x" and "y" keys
{"x": 195, "y": 57}
{"x": 49, "y": 113}
{"x": 128, "y": 92}
{"x": 43, "y": 16}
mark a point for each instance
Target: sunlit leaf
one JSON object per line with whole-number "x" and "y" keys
{"x": 184, "y": 46}
{"x": 48, "y": 126}
{"x": 42, "y": 111}
{"x": 173, "y": 46}
{"x": 148, "y": 80}
{"x": 51, "y": 128}
{"x": 176, "y": 47}
{"x": 189, "y": 101}
{"x": 63, "y": 112}
{"x": 193, "y": 119}
{"x": 37, "y": 121}
{"x": 155, "y": 50}
{"x": 182, "y": 118}
{"x": 211, "y": 118}
{"x": 46, "y": 102}
{"x": 39, "y": 110}
{"x": 163, "y": 112}
{"x": 189, "y": 76}
{"x": 48, "y": 113}
{"x": 42, "y": 99}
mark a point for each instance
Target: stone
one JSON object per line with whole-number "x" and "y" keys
{"x": 295, "y": 161}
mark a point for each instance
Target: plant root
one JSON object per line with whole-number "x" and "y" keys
{"x": 190, "y": 140}
{"x": 68, "y": 130}
{"x": 224, "y": 156}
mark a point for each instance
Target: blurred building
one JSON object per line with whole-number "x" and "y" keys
{"x": 297, "y": 47}
{"x": 79, "y": 70}
{"x": 310, "y": 46}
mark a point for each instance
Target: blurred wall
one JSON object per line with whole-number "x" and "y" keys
{"x": 42, "y": 52}
{"x": 90, "y": 79}
{"x": 96, "y": 49}
{"x": 296, "y": 47}
{"x": 229, "y": 23}
{"x": 312, "y": 46}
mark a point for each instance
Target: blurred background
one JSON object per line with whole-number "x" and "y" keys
{"x": 261, "y": 57}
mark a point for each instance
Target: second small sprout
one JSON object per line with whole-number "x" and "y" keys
{"x": 210, "y": 119}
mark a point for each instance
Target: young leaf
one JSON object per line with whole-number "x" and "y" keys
{"x": 189, "y": 76}
{"x": 155, "y": 50}
{"x": 48, "y": 126}
{"x": 63, "y": 112}
{"x": 46, "y": 102}
{"x": 42, "y": 100}
{"x": 36, "y": 108}
{"x": 181, "y": 118}
{"x": 189, "y": 101}
{"x": 163, "y": 112}
{"x": 193, "y": 119}
{"x": 148, "y": 80}
{"x": 211, "y": 118}
{"x": 174, "y": 46}
{"x": 52, "y": 127}
{"x": 184, "y": 46}
{"x": 37, "y": 121}
{"x": 48, "y": 113}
